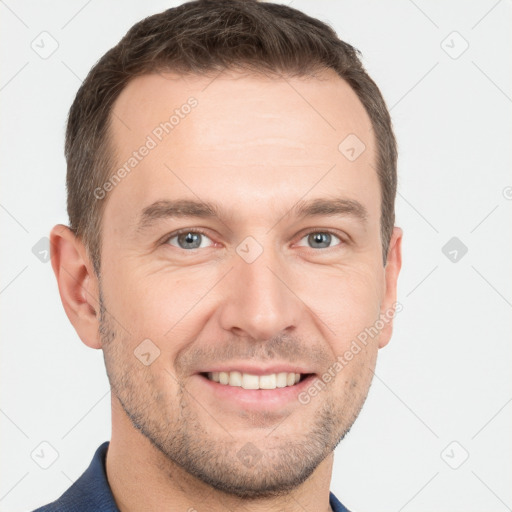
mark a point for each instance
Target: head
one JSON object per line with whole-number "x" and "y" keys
{"x": 231, "y": 184}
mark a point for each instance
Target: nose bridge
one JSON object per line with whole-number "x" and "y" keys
{"x": 258, "y": 301}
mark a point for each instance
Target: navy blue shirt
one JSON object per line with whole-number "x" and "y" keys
{"x": 91, "y": 492}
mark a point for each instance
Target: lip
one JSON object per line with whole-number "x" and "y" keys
{"x": 256, "y": 399}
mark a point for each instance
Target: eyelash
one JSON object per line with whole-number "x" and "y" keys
{"x": 203, "y": 232}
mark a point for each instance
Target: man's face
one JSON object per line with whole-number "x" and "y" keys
{"x": 254, "y": 287}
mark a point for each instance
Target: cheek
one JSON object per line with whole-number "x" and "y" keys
{"x": 355, "y": 364}
{"x": 347, "y": 300}
{"x": 161, "y": 306}
{"x": 161, "y": 303}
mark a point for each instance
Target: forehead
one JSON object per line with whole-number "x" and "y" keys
{"x": 251, "y": 141}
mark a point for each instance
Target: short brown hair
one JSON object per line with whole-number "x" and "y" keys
{"x": 200, "y": 37}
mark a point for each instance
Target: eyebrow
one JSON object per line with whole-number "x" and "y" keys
{"x": 185, "y": 208}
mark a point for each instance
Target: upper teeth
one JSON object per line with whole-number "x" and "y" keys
{"x": 249, "y": 381}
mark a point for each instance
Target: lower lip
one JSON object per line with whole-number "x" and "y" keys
{"x": 257, "y": 398}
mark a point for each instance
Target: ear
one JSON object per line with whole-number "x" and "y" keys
{"x": 78, "y": 284}
{"x": 389, "y": 308}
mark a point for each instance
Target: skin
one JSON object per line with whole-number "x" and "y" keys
{"x": 255, "y": 146}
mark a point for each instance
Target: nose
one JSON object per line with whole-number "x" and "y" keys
{"x": 259, "y": 301}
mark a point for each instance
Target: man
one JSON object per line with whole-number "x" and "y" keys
{"x": 231, "y": 184}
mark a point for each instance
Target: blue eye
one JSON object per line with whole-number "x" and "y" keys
{"x": 188, "y": 240}
{"x": 320, "y": 239}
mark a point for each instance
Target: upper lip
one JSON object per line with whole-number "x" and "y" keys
{"x": 258, "y": 369}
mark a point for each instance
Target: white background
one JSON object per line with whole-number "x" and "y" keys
{"x": 444, "y": 377}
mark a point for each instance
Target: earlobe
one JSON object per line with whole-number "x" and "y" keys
{"x": 389, "y": 307}
{"x": 77, "y": 282}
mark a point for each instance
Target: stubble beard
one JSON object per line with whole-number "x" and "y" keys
{"x": 276, "y": 465}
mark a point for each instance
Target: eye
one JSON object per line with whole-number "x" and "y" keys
{"x": 320, "y": 239}
{"x": 188, "y": 239}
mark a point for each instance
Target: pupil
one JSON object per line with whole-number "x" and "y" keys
{"x": 321, "y": 238}
{"x": 189, "y": 239}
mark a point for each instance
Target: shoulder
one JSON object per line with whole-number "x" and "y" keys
{"x": 90, "y": 492}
